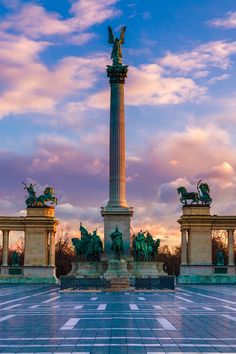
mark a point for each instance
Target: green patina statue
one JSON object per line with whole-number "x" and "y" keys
{"x": 33, "y": 201}
{"x": 116, "y": 54}
{"x": 220, "y": 261}
{"x": 117, "y": 243}
{"x": 145, "y": 248}
{"x": 89, "y": 247}
{"x": 201, "y": 197}
{"x": 15, "y": 259}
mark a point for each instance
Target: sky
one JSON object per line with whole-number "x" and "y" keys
{"x": 180, "y": 102}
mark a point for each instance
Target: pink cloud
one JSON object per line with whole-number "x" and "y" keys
{"x": 201, "y": 58}
{"x": 159, "y": 89}
{"x": 228, "y": 22}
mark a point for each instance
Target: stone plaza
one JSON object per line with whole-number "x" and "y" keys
{"x": 193, "y": 319}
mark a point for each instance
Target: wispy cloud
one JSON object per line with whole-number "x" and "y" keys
{"x": 150, "y": 85}
{"x": 228, "y": 22}
{"x": 91, "y": 12}
{"x": 28, "y": 85}
{"x": 202, "y": 58}
{"x": 35, "y": 21}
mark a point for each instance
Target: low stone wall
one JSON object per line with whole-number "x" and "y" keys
{"x": 145, "y": 269}
{"x": 88, "y": 269}
{"x": 207, "y": 279}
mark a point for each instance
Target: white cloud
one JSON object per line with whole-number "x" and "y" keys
{"x": 30, "y": 86}
{"x": 229, "y": 21}
{"x": 35, "y": 21}
{"x": 91, "y": 12}
{"x": 213, "y": 54}
{"x": 148, "y": 85}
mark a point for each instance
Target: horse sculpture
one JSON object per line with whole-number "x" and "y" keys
{"x": 185, "y": 196}
{"x": 48, "y": 195}
{"x": 202, "y": 197}
{"x": 33, "y": 201}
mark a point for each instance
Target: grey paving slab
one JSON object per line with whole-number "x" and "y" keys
{"x": 36, "y": 319}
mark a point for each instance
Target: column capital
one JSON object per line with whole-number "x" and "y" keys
{"x": 117, "y": 73}
{"x": 230, "y": 230}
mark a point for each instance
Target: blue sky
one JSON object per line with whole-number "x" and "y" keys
{"x": 180, "y": 105}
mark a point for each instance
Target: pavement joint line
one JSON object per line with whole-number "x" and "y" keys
{"x": 182, "y": 298}
{"x": 33, "y": 306}
{"x": 230, "y": 308}
{"x": 133, "y": 307}
{"x": 70, "y": 324}
{"x": 10, "y": 307}
{"x": 25, "y": 297}
{"x": 50, "y": 300}
{"x": 102, "y": 307}
{"x": 5, "y": 318}
{"x": 166, "y": 324}
{"x": 100, "y": 337}
{"x": 229, "y": 317}
{"x": 208, "y": 308}
{"x": 211, "y": 297}
{"x": 117, "y": 344}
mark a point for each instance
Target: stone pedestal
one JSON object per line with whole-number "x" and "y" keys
{"x": 144, "y": 269}
{"x": 116, "y": 269}
{"x": 88, "y": 269}
{"x": 113, "y": 217}
{"x": 40, "y": 242}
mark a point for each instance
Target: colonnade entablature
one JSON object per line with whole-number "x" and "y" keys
{"x": 197, "y": 225}
{"x": 39, "y": 227}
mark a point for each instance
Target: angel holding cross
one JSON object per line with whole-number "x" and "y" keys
{"x": 116, "y": 53}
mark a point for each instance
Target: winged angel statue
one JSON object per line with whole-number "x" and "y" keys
{"x": 116, "y": 53}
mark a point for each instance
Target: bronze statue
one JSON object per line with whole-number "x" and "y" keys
{"x": 145, "y": 248}
{"x": 117, "y": 243}
{"x": 89, "y": 247}
{"x": 220, "y": 261}
{"x": 202, "y": 196}
{"x": 116, "y": 53}
{"x": 33, "y": 201}
{"x": 15, "y": 259}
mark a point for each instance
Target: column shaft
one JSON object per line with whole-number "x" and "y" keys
{"x": 51, "y": 248}
{"x": 5, "y": 247}
{"x": 231, "y": 247}
{"x": 184, "y": 260}
{"x": 117, "y": 147}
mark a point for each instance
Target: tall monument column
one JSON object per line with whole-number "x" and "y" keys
{"x": 117, "y": 213}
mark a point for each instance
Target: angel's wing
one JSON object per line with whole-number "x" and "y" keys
{"x": 111, "y": 38}
{"x": 122, "y": 35}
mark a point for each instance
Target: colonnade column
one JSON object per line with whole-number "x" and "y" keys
{"x": 5, "y": 247}
{"x": 184, "y": 257}
{"x": 231, "y": 247}
{"x": 51, "y": 248}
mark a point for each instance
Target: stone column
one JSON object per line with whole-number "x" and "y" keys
{"x": 52, "y": 248}
{"x": 184, "y": 257}
{"x": 117, "y": 184}
{"x": 230, "y": 247}
{"x": 5, "y": 247}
